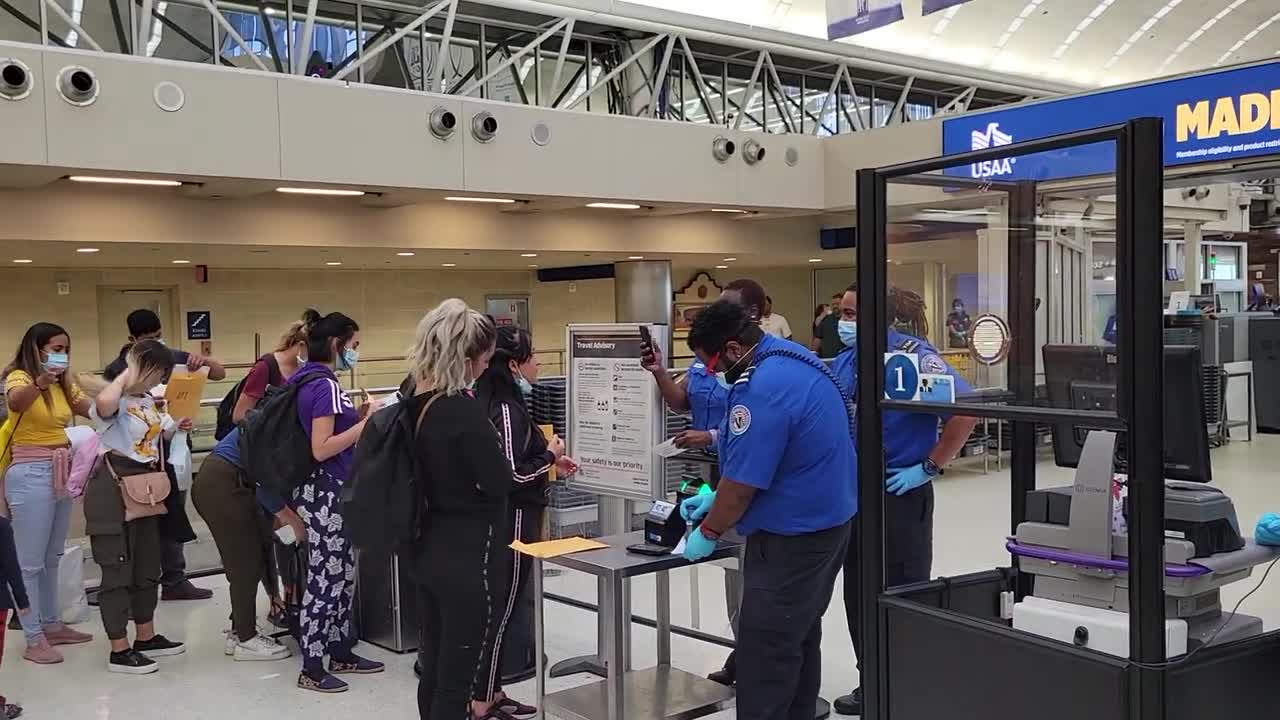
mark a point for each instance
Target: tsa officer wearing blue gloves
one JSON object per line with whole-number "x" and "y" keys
{"x": 915, "y": 453}
{"x": 787, "y": 463}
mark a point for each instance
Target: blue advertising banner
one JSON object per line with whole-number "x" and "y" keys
{"x": 850, "y": 17}
{"x": 1213, "y": 117}
{"x": 930, "y": 7}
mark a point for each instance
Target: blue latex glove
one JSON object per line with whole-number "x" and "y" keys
{"x": 901, "y": 481}
{"x": 1268, "y": 530}
{"x": 698, "y": 546}
{"x": 696, "y": 507}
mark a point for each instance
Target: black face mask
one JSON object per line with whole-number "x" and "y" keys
{"x": 739, "y": 366}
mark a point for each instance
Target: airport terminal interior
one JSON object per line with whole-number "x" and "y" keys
{"x": 586, "y": 169}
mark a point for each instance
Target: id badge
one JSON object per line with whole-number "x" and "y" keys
{"x": 937, "y": 388}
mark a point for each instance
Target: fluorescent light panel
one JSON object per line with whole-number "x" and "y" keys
{"x": 1262, "y": 26}
{"x": 333, "y": 192}
{"x": 613, "y": 206}
{"x": 1141, "y": 31}
{"x": 124, "y": 181}
{"x": 1083, "y": 25}
{"x": 495, "y": 201}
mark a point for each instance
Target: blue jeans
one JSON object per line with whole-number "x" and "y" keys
{"x": 40, "y": 524}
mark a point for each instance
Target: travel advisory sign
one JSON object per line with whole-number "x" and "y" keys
{"x": 615, "y": 414}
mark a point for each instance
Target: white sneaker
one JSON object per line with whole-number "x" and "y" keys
{"x": 229, "y": 648}
{"x": 260, "y": 648}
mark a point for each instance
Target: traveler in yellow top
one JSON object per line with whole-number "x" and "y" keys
{"x": 42, "y": 398}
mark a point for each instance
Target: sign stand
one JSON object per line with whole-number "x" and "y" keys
{"x": 615, "y": 416}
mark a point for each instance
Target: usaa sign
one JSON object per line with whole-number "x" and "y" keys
{"x": 1213, "y": 117}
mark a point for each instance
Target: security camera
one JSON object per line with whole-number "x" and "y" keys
{"x": 15, "y": 79}
{"x": 484, "y": 126}
{"x": 78, "y": 85}
{"x": 752, "y": 152}
{"x": 442, "y": 122}
{"x": 722, "y": 148}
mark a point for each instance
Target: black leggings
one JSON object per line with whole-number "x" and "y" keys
{"x": 464, "y": 576}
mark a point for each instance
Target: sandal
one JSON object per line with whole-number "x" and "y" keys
{"x": 516, "y": 708}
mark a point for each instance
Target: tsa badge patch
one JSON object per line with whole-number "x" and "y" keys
{"x": 932, "y": 364}
{"x": 739, "y": 419}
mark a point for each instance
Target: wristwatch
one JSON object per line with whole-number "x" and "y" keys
{"x": 931, "y": 468}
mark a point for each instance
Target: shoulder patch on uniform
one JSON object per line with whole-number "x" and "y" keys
{"x": 908, "y": 345}
{"x": 739, "y": 419}
{"x": 933, "y": 364}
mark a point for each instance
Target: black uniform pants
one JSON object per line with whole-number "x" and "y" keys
{"x": 463, "y": 574}
{"x": 787, "y": 587}
{"x": 908, "y": 553}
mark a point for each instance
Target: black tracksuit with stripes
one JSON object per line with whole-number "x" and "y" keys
{"x": 526, "y": 450}
{"x": 463, "y": 565}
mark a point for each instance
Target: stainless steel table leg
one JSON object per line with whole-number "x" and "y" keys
{"x": 617, "y": 650}
{"x": 663, "y": 582}
{"x": 539, "y": 638}
{"x": 695, "y": 601}
{"x": 593, "y": 664}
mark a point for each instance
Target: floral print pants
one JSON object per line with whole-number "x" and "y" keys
{"x": 326, "y": 623}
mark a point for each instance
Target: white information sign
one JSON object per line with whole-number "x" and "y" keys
{"x": 615, "y": 412}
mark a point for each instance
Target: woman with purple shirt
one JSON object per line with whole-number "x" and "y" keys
{"x": 334, "y": 425}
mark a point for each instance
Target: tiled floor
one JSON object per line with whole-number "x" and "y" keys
{"x": 972, "y": 512}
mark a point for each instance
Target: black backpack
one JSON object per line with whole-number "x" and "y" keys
{"x": 383, "y": 500}
{"x": 274, "y": 448}
{"x": 228, "y": 404}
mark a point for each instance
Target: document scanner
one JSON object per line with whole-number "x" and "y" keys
{"x": 1081, "y": 569}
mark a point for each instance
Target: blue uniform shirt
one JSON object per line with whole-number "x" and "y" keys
{"x": 708, "y": 401}
{"x": 787, "y": 435}
{"x": 908, "y": 436}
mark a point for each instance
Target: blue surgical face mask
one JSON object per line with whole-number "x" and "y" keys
{"x": 348, "y": 359}
{"x": 848, "y": 332}
{"x": 57, "y": 361}
{"x": 723, "y": 379}
{"x": 525, "y": 386}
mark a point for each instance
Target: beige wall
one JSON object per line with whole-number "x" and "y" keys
{"x": 386, "y": 303}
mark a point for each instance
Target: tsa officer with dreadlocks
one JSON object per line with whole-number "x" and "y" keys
{"x": 786, "y": 461}
{"x": 915, "y": 453}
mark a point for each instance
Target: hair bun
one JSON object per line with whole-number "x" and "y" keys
{"x": 310, "y": 317}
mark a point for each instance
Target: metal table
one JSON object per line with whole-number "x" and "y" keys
{"x": 656, "y": 693}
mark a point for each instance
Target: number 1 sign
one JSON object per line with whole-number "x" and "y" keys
{"x": 901, "y": 376}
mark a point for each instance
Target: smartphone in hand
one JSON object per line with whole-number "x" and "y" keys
{"x": 647, "y": 355}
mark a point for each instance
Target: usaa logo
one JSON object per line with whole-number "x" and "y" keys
{"x": 1249, "y": 113}
{"x": 993, "y": 136}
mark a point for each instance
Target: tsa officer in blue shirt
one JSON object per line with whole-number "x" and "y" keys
{"x": 787, "y": 469}
{"x": 915, "y": 453}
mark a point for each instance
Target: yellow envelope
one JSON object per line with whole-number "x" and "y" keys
{"x": 556, "y": 548}
{"x": 183, "y": 392}
{"x": 547, "y": 432}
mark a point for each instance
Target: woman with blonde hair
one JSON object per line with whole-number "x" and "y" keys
{"x": 133, "y": 432}
{"x": 42, "y": 397}
{"x": 463, "y": 566}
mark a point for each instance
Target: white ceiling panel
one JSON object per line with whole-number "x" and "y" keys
{"x": 1093, "y": 42}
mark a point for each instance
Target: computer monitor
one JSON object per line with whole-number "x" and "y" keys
{"x": 1083, "y": 377}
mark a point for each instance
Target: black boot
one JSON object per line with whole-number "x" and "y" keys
{"x": 850, "y": 704}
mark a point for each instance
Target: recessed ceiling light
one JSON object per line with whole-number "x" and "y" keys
{"x": 728, "y": 259}
{"x": 533, "y": 266}
{"x": 333, "y": 262}
{"x": 406, "y": 254}
{"x": 22, "y": 261}
{"x": 635, "y": 257}
{"x": 732, "y": 211}
{"x": 815, "y": 259}
{"x": 124, "y": 181}
{"x": 496, "y": 201}
{"x": 448, "y": 264}
{"x": 613, "y": 206}
{"x": 87, "y": 250}
{"x": 319, "y": 191}
{"x": 528, "y": 254}
{"x": 722, "y": 267}
{"x": 181, "y": 262}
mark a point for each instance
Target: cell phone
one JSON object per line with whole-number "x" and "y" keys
{"x": 286, "y": 535}
{"x": 645, "y": 336}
